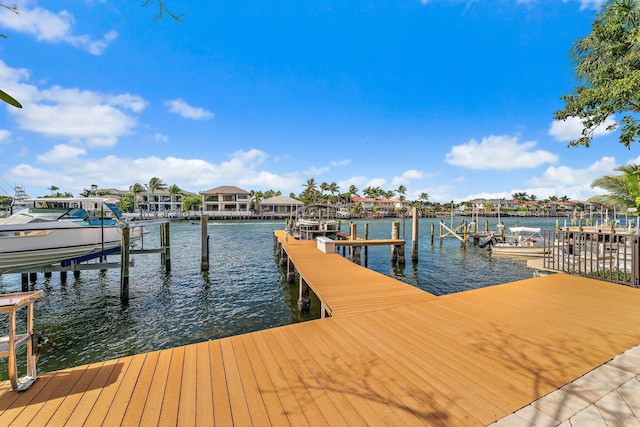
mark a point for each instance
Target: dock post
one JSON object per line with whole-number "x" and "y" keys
{"x": 291, "y": 271}
{"x": 33, "y": 277}
{"x": 204, "y": 246}
{"x": 304, "y": 303}
{"x": 355, "y": 250}
{"x": 414, "y": 234}
{"x": 124, "y": 266}
{"x": 25, "y": 281}
{"x": 63, "y": 276}
{"x": 166, "y": 245}
{"x": 433, "y": 232}
{"x": 47, "y": 275}
{"x": 76, "y": 274}
{"x": 486, "y": 225}
{"x": 366, "y": 248}
{"x": 395, "y": 234}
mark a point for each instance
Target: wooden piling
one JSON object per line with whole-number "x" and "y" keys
{"x": 355, "y": 250}
{"x": 395, "y": 234}
{"x": 433, "y": 232}
{"x": 414, "y": 234}
{"x": 166, "y": 245}
{"x": 291, "y": 271}
{"x": 33, "y": 277}
{"x": 76, "y": 274}
{"x": 304, "y": 303}
{"x": 63, "y": 277}
{"x": 25, "y": 282}
{"x": 204, "y": 246}
{"x": 124, "y": 265}
{"x": 366, "y": 248}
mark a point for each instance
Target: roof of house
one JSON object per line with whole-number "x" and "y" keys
{"x": 226, "y": 189}
{"x": 282, "y": 200}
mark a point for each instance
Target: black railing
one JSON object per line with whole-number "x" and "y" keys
{"x": 610, "y": 256}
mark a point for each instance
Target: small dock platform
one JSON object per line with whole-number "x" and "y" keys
{"x": 465, "y": 359}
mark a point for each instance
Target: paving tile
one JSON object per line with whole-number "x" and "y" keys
{"x": 513, "y": 420}
{"x": 590, "y": 416}
{"x": 598, "y": 383}
{"x": 561, "y": 404}
{"x": 630, "y": 392}
{"x": 616, "y": 412}
{"x": 628, "y": 361}
{"x": 536, "y": 417}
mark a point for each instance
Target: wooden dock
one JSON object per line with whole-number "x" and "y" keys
{"x": 403, "y": 358}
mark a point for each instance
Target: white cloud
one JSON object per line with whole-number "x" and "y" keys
{"x": 375, "y": 182}
{"x": 52, "y": 27}
{"x": 61, "y": 153}
{"x": 61, "y": 167}
{"x": 98, "y": 119}
{"x": 158, "y": 137}
{"x": 571, "y": 128}
{"x": 314, "y": 170}
{"x": 186, "y": 111}
{"x": 590, "y": 4}
{"x": 571, "y": 182}
{"x": 406, "y": 177}
{"x": 499, "y": 153}
{"x": 566, "y": 176}
{"x": 4, "y": 136}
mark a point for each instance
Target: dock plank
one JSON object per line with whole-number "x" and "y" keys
{"x": 156, "y": 390}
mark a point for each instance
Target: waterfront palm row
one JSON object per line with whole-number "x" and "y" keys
{"x": 158, "y": 199}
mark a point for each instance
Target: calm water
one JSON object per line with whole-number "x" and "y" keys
{"x": 243, "y": 291}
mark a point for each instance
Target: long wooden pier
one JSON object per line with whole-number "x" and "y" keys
{"x": 390, "y": 354}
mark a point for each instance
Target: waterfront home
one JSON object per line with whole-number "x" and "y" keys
{"x": 226, "y": 201}
{"x": 380, "y": 205}
{"x": 160, "y": 202}
{"x": 280, "y": 207}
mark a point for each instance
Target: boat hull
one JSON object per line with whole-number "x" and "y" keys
{"x": 516, "y": 250}
{"x": 38, "y": 245}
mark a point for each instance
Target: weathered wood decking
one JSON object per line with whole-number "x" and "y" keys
{"x": 462, "y": 359}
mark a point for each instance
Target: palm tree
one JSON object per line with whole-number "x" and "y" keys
{"x": 324, "y": 187}
{"x": 156, "y": 183}
{"x": 624, "y": 189}
{"x": 136, "y": 189}
{"x": 309, "y": 193}
{"x": 353, "y": 191}
{"x": 174, "y": 192}
{"x": 53, "y": 189}
{"x": 401, "y": 190}
{"x": 333, "y": 189}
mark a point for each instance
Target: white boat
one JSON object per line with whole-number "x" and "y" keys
{"x": 54, "y": 230}
{"x": 522, "y": 241}
{"x": 314, "y": 221}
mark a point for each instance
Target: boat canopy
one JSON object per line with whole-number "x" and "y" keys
{"x": 518, "y": 230}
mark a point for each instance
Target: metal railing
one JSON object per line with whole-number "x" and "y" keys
{"x": 610, "y": 256}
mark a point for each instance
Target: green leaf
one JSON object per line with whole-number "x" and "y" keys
{"x": 9, "y": 100}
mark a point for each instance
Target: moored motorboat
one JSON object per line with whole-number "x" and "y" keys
{"x": 522, "y": 241}
{"x": 315, "y": 220}
{"x": 54, "y": 230}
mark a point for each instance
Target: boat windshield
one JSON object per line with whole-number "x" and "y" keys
{"x": 52, "y": 214}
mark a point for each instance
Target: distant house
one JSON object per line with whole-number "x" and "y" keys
{"x": 380, "y": 204}
{"x": 160, "y": 202}
{"x": 226, "y": 201}
{"x": 280, "y": 207}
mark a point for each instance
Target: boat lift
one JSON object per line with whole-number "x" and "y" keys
{"x": 10, "y": 344}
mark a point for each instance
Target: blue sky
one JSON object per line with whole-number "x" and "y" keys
{"x": 452, "y": 98}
